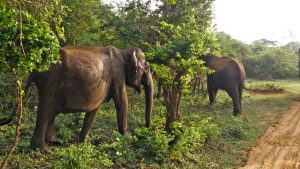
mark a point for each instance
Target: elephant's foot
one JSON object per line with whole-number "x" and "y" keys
{"x": 52, "y": 140}
{"x": 37, "y": 143}
{"x": 54, "y": 143}
{"x": 235, "y": 113}
{"x": 82, "y": 137}
{"x": 37, "y": 146}
{"x": 212, "y": 102}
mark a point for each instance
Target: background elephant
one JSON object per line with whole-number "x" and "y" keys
{"x": 229, "y": 75}
{"x": 85, "y": 78}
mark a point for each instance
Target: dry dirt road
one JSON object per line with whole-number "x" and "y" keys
{"x": 279, "y": 147}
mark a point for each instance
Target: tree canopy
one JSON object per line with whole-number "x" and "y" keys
{"x": 26, "y": 43}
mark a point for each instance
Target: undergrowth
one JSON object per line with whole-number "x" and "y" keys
{"x": 263, "y": 86}
{"x": 207, "y": 136}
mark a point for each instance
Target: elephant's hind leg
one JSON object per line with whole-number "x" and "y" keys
{"x": 234, "y": 94}
{"x": 39, "y": 135}
{"x": 88, "y": 123}
{"x": 212, "y": 95}
{"x": 240, "y": 96}
{"x": 51, "y": 137}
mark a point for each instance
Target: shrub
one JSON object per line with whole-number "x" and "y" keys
{"x": 190, "y": 133}
{"x": 154, "y": 141}
{"x": 264, "y": 86}
{"x": 235, "y": 128}
{"x": 120, "y": 148}
{"x": 277, "y": 63}
{"x": 82, "y": 156}
{"x": 156, "y": 144}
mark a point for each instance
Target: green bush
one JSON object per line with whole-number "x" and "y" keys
{"x": 155, "y": 144}
{"x": 191, "y": 133}
{"x": 154, "y": 141}
{"x": 120, "y": 148}
{"x": 40, "y": 43}
{"x": 82, "y": 156}
{"x": 269, "y": 85}
{"x": 272, "y": 63}
{"x": 235, "y": 128}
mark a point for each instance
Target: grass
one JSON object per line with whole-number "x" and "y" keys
{"x": 266, "y": 87}
{"x": 110, "y": 150}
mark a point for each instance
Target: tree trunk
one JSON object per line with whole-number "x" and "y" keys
{"x": 173, "y": 99}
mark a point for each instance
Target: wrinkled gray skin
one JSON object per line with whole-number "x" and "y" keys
{"x": 229, "y": 75}
{"x": 86, "y": 78}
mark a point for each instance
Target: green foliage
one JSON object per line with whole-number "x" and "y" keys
{"x": 120, "y": 148}
{"x": 191, "y": 132}
{"x": 89, "y": 22}
{"x": 266, "y": 86}
{"x": 133, "y": 22}
{"x": 181, "y": 41}
{"x": 154, "y": 141}
{"x": 176, "y": 57}
{"x": 50, "y": 11}
{"x": 236, "y": 128}
{"x": 39, "y": 42}
{"x": 272, "y": 63}
{"x": 173, "y": 34}
{"x": 82, "y": 156}
{"x": 156, "y": 145}
{"x": 224, "y": 146}
{"x": 232, "y": 47}
{"x": 7, "y": 93}
{"x": 67, "y": 121}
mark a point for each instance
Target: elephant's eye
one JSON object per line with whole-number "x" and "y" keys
{"x": 139, "y": 67}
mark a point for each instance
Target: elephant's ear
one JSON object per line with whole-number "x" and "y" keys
{"x": 134, "y": 59}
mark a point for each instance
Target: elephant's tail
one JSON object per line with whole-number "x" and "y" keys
{"x": 9, "y": 119}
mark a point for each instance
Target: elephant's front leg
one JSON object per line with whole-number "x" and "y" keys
{"x": 121, "y": 104}
{"x": 88, "y": 123}
{"x": 211, "y": 90}
{"x": 212, "y": 94}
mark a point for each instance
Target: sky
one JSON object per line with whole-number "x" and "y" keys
{"x": 249, "y": 20}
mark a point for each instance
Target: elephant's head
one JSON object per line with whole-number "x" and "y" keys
{"x": 138, "y": 73}
{"x": 208, "y": 59}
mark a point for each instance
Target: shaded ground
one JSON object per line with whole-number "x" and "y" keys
{"x": 279, "y": 147}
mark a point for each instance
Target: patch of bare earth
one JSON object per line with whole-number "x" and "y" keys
{"x": 279, "y": 147}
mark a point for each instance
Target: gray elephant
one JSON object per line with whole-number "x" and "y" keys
{"x": 229, "y": 75}
{"x": 86, "y": 78}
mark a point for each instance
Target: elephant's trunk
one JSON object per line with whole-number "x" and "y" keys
{"x": 148, "y": 86}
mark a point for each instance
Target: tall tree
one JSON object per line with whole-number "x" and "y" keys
{"x": 50, "y": 11}
{"x": 232, "y": 47}
{"x": 89, "y": 22}
{"x": 173, "y": 34}
{"x": 26, "y": 44}
{"x": 134, "y": 22}
{"x": 184, "y": 33}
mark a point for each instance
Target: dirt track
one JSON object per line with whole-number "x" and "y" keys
{"x": 279, "y": 147}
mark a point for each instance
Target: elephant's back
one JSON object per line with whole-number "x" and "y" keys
{"x": 228, "y": 68}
